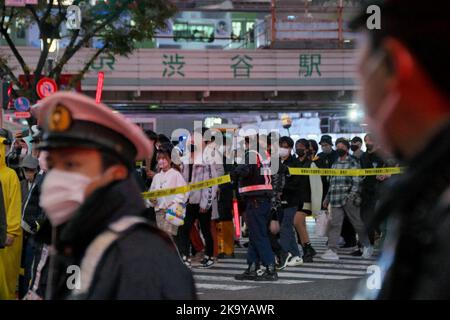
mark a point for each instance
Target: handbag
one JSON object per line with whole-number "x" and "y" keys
{"x": 175, "y": 214}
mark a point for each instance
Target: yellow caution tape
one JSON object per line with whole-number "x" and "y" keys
{"x": 293, "y": 171}
{"x": 190, "y": 187}
{"x": 345, "y": 172}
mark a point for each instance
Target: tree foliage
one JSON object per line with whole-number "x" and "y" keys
{"x": 118, "y": 24}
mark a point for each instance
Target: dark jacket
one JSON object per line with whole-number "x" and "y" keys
{"x": 325, "y": 161}
{"x": 305, "y": 185}
{"x": 370, "y": 185}
{"x": 291, "y": 191}
{"x": 225, "y": 195}
{"x": 33, "y": 216}
{"x": 419, "y": 204}
{"x": 142, "y": 264}
{"x": 250, "y": 177}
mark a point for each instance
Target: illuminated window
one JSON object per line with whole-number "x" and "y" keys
{"x": 193, "y": 32}
{"x": 237, "y": 30}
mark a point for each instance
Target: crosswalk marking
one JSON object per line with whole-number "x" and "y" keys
{"x": 221, "y": 275}
{"x": 299, "y": 268}
{"x": 231, "y": 279}
{"x": 329, "y": 264}
{"x": 283, "y": 274}
{"x": 213, "y": 286}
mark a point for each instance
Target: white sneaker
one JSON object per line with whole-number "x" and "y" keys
{"x": 367, "y": 252}
{"x": 295, "y": 261}
{"x": 330, "y": 255}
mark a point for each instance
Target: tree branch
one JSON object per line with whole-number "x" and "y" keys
{"x": 11, "y": 18}
{"x": 69, "y": 52}
{"x": 34, "y": 14}
{"x": 8, "y": 70}
{"x": 47, "y": 13}
{"x": 3, "y": 14}
{"x": 16, "y": 53}
{"x": 87, "y": 66}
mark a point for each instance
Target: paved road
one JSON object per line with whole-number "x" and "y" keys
{"x": 318, "y": 280}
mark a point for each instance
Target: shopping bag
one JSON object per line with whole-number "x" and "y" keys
{"x": 322, "y": 221}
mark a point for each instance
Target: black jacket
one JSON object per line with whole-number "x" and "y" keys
{"x": 305, "y": 185}
{"x": 291, "y": 192}
{"x": 249, "y": 175}
{"x": 325, "y": 161}
{"x": 33, "y": 215}
{"x": 419, "y": 204}
{"x": 142, "y": 264}
{"x": 370, "y": 185}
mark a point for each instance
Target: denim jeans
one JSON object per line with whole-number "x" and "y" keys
{"x": 287, "y": 233}
{"x": 259, "y": 248}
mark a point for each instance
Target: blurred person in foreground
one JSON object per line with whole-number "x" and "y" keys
{"x": 404, "y": 69}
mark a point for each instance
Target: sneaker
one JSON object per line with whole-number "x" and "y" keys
{"x": 259, "y": 271}
{"x": 309, "y": 250}
{"x": 356, "y": 253}
{"x": 330, "y": 255}
{"x": 367, "y": 252}
{"x": 251, "y": 273}
{"x": 206, "y": 263}
{"x": 348, "y": 245}
{"x": 307, "y": 258}
{"x": 187, "y": 262}
{"x": 284, "y": 260}
{"x": 270, "y": 274}
{"x": 295, "y": 261}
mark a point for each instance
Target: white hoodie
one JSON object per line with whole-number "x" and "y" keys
{"x": 165, "y": 180}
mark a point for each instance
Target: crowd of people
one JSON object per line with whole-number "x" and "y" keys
{"x": 273, "y": 204}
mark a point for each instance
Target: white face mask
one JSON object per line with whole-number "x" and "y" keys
{"x": 284, "y": 152}
{"x": 162, "y": 163}
{"x": 62, "y": 193}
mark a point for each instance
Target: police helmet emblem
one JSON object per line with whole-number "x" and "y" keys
{"x": 60, "y": 119}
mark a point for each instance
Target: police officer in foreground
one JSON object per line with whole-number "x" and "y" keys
{"x": 404, "y": 71}
{"x": 95, "y": 208}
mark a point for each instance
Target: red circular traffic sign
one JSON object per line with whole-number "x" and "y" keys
{"x": 46, "y": 87}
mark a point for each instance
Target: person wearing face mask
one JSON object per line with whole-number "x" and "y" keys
{"x": 348, "y": 232}
{"x": 10, "y": 231}
{"x": 291, "y": 255}
{"x": 198, "y": 167}
{"x": 30, "y": 168}
{"x": 95, "y": 207}
{"x": 306, "y": 207}
{"x": 344, "y": 199}
{"x": 35, "y": 256}
{"x": 356, "y": 144}
{"x": 256, "y": 188}
{"x": 404, "y": 75}
{"x": 325, "y": 160}
{"x": 17, "y": 152}
{"x": 168, "y": 177}
{"x": 370, "y": 186}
